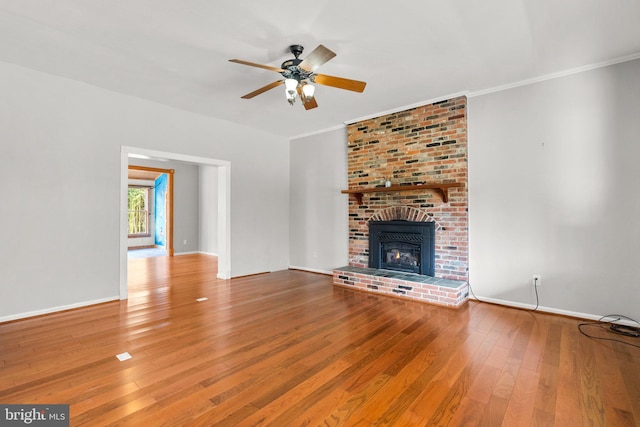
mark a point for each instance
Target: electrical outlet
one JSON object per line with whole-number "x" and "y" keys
{"x": 184, "y": 242}
{"x": 537, "y": 280}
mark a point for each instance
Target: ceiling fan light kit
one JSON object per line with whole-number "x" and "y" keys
{"x": 291, "y": 88}
{"x": 300, "y": 76}
{"x": 308, "y": 90}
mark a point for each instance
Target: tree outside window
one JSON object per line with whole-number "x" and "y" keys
{"x": 138, "y": 211}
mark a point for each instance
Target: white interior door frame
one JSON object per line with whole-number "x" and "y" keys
{"x": 224, "y": 206}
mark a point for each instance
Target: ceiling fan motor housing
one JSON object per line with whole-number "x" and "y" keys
{"x": 291, "y": 66}
{"x": 290, "y": 63}
{"x": 296, "y": 50}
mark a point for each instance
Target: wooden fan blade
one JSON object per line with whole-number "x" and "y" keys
{"x": 315, "y": 59}
{"x": 311, "y": 103}
{"x": 340, "y": 82}
{"x": 263, "y": 89}
{"x": 253, "y": 64}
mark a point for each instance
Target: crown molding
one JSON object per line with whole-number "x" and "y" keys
{"x": 556, "y": 75}
{"x": 407, "y": 107}
{"x": 317, "y": 132}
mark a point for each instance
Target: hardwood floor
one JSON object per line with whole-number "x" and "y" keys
{"x": 288, "y": 349}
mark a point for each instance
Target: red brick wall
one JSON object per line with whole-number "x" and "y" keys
{"x": 425, "y": 144}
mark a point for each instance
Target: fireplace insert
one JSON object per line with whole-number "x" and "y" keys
{"x": 402, "y": 246}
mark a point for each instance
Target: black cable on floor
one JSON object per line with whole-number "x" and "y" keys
{"x": 615, "y": 328}
{"x": 628, "y": 331}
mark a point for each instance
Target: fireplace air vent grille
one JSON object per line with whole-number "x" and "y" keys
{"x": 395, "y": 237}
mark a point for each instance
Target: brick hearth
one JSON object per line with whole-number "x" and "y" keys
{"x": 449, "y": 293}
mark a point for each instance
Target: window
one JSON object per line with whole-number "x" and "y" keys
{"x": 138, "y": 211}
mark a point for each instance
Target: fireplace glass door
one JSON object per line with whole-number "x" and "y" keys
{"x": 400, "y": 256}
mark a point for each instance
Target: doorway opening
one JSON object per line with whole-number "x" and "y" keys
{"x": 223, "y": 174}
{"x": 150, "y": 208}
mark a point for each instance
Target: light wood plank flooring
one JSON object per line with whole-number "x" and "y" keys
{"x": 288, "y": 349}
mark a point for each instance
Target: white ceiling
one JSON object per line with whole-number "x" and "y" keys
{"x": 176, "y": 52}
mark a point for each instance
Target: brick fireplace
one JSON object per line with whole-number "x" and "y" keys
{"x": 413, "y": 150}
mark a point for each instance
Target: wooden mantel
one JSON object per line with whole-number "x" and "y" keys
{"x": 442, "y": 188}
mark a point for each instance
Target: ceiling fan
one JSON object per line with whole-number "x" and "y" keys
{"x": 300, "y": 74}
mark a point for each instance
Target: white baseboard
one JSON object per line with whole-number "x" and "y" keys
{"x": 56, "y": 309}
{"x": 207, "y": 253}
{"x": 577, "y": 314}
{"x": 193, "y": 252}
{"x": 311, "y": 270}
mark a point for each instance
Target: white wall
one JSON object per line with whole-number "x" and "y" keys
{"x": 61, "y": 140}
{"x": 319, "y": 213}
{"x": 208, "y": 176}
{"x": 553, "y": 190}
{"x": 567, "y": 210}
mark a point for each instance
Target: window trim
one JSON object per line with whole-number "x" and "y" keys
{"x": 148, "y": 189}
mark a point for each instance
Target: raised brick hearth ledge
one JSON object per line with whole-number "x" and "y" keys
{"x": 449, "y": 293}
